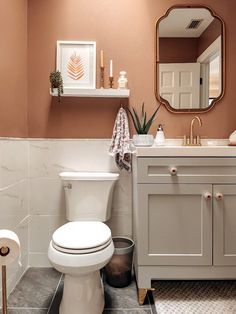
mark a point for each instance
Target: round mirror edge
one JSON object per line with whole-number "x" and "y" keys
{"x": 165, "y": 102}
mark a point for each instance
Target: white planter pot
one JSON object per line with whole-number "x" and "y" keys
{"x": 143, "y": 139}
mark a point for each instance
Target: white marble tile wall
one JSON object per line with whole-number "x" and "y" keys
{"x": 32, "y": 198}
{"x": 14, "y": 199}
{"x": 47, "y": 205}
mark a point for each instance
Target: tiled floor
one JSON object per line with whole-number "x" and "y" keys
{"x": 40, "y": 290}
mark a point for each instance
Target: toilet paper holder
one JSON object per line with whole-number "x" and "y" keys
{"x": 4, "y": 251}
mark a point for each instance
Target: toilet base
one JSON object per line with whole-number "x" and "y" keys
{"x": 82, "y": 294}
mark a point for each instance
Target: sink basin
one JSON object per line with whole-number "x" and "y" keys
{"x": 175, "y": 148}
{"x": 204, "y": 142}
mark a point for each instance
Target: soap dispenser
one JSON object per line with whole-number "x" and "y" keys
{"x": 160, "y": 136}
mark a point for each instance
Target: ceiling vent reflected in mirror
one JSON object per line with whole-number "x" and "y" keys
{"x": 194, "y": 24}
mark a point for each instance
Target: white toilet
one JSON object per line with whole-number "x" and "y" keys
{"x": 81, "y": 247}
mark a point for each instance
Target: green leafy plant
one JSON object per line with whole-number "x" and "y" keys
{"x": 56, "y": 82}
{"x": 141, "y": 124}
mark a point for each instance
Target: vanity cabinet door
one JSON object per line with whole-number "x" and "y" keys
{"x": 175, "y": 224}
{"x": 224, "y": 217}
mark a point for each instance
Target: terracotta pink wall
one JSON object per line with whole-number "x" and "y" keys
{"x": 125, "y": 30}
{"x": 13, "y": 68}
{"x": 174, "y": 50}
{"x": 212, "y": 32}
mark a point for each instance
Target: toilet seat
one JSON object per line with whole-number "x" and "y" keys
{"x": 81, "y": 237}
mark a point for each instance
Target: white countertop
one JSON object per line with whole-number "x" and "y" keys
{"x": 174, "y": 148}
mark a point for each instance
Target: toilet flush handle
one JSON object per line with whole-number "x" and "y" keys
{"x": 68, "y": 186}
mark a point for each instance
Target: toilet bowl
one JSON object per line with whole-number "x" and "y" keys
{"x": 79, "y": 250}
{"x": 81, "y": 247}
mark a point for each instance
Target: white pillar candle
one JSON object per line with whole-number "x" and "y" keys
{"x": 102, "y": 60}
{"x": 111, "y": 68}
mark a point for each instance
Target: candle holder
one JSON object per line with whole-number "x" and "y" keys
{"x": 111, "y": 79}
{"x": 102, "y": 68}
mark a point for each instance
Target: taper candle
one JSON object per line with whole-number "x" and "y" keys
{"x": 102, "y": 61}
{"x": 111, "y": 68}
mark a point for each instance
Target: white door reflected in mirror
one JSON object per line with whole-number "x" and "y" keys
{"x": 179, "y": 84}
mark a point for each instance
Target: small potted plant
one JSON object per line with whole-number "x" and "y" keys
{"x": 56, "y": 82}
{"x": 142, "y": 126}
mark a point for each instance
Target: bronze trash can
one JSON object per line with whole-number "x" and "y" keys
{"x": 118, "y": 272}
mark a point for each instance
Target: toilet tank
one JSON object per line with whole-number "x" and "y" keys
{"x": 88, "y": 195}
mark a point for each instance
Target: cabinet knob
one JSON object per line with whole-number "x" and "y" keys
{"x": 207, "y": 195}
{"x": 219, "y": 196}
{"x": 173, "y": 171}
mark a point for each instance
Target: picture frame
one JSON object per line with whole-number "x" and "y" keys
{"x": 76, "y": 60}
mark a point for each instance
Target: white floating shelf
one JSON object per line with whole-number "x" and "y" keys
{"x": 101, "y": 92}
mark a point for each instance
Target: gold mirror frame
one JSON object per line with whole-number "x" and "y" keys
{"x": 165, "y": 102}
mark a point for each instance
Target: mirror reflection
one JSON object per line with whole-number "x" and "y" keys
{"x": 190, "y": 58}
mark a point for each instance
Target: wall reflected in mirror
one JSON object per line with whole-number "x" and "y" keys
{"x": 189, "y": 42}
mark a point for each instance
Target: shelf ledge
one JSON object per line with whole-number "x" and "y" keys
{"x": 101, "y": 92}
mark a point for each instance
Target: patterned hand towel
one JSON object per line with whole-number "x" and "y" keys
{"x": 120, "y": 141}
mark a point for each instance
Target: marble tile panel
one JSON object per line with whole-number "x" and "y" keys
{"x": 39, "y": 260}
{"x": 55, "y": 223}
{"x": 39, "y": 233}
{"x": 9, "y": 222}
{"x": 13, "y": 161}
{"x": 122, "y": 198}
{"x": 14, "y": 201}
{"x": 121, "y": 224}
{"x": 41, "y": 229}
{"x": 46, "y": 197}
{"x": 35, "y": 289}
{"x": 49, "y": 157}
{"x": 14, "y": 273}
{"x": 22, "y": 230}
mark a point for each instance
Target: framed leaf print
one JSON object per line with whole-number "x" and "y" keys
{"x": 76, "y": 60}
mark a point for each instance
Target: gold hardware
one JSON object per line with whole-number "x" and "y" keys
{"x": 4, "y": 290}
{"x": 111, "y": 78}
{"x": 142, "y": 293}
{"x": 102, "y": 68}
{"x": 193, "y": 140}
{"x": 4, "y": 251}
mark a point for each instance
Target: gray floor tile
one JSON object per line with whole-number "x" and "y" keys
{"x": 54, "y": 309}
{"x": 35, "y": 289}
{"x": 122, "y": 298}
{"x": 118, "y": 301}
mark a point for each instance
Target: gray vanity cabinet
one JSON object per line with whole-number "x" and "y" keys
{"x": 224, "y": 224}
{"x": 175, "y": 224}
{"x": 184, "y": 218}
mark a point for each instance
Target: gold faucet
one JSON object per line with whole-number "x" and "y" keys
{"x": 192, "y": 140}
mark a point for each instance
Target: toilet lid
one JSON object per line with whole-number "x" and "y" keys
{"x": 81, "y": 237}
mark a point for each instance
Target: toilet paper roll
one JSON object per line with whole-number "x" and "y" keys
{"x": 9, "y": 247}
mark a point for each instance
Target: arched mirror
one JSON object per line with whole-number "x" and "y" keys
{"x": 189, "y": 59}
